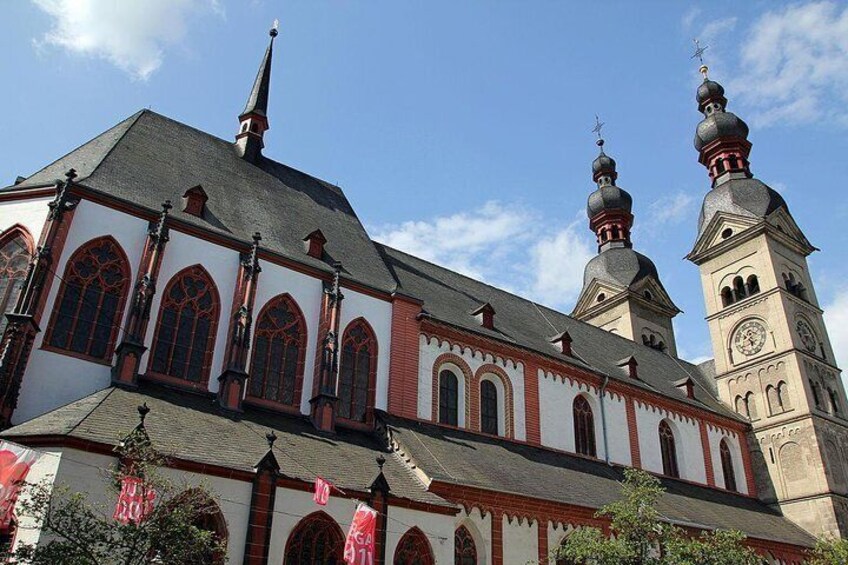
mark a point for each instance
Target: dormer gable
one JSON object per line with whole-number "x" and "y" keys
{"x": 485, "y": 315}
{"x": 630, "y": 365}
{"x": 563, "y": 343}
{"x": 686, "y": 386}
{"x": 314, "y": 243}
{"x": 194, "y": 201}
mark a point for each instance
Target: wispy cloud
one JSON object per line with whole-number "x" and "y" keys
{"x": 506, "y": 245}
{"x": 670, "y": 209}
{"x": 836, "y": 318}
{"x": 793, "y": 66}
{"x": 133, "y": 36}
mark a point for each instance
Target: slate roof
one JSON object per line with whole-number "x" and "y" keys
{"x": 450, "y": 298}
{"x": 190, "y": 427}
{"x": 149, "y": 158}
{"x": 744, "y": 197}
{"x": 619, "y": 266}
{"x": 459, "y": 457}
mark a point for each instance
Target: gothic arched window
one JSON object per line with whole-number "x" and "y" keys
{"x": 727, "y": 466}
{"x": 188, "y": 319}
{"x": 464, "y": 548}
{"x": 584, "y": 427}
{"x": 414, "y": 549}
{"x": 668, "y": 450}
{"x": 15, "y": 251}
{"x": 279, "y": 344}
{"x": 448, "y": 398}
{"x": 488, "y": 407}
{"x": 357, "y": 372}
{"x": 316, "y": 540}
{"x": 87, "y": 310}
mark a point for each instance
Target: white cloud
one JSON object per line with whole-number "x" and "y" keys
{"x": 793, "y": 67}
{"x": 132, "y": 35}
{"x": 836, "y": 319}
{"x": 670, "y": 209}
{"x": 504, "y": 245}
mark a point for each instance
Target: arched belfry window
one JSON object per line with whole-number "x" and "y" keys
{"x": 727, "y": 466}
{"x": 488, "y": 407}
{"x": 316, "y": 540}
{"x": 279, "y": 344}
{"x": 414, "y": 549}
{"x": 464, "y": 548}
{"x": 584, "y": 427}
{"x": 448, "y": 398}
{"x": 357, "y": 371}
{"x": 752, "y": 285}
{"x": 87, "y": 310}
{"x": 738, "y": 289}
{"x": 726, "y": 296}
{"x": 188, "y": 319}
{"x": 15, "y": 252}
{"x": 668, "y": 450}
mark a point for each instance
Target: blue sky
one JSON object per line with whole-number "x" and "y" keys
{"x": 460, "y": 131}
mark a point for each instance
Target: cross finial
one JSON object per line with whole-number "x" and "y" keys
{"x": 274, "y": 28}
{"x": 380, "y": 461}
{"x": 599, "y": 125}
{"x": 271, "y": 437}
{"x": 699, "y": 54}
{"x": 142, "y": 413}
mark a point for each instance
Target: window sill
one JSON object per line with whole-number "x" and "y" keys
{"x": 266, "y": 404}
{"x": 202, "y": 386}
{"x": 75, "y": 355}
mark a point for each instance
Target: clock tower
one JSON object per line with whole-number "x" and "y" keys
{"x": 773, "y": 360}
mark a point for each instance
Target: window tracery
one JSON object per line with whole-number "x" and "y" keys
{"x": 279, "y": 344}
{"x": 584, "y": 427}
{"x": 14, "y": 259}
{"x": 316, "y": 540}
{"x": 357, "y": 371}
{"x": 668, "y": 450}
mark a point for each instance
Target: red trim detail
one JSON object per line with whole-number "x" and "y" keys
{"x": 542, "y": 541}
{"x": 497, "y": 537}
{"x": 635, "y": 454}
{"x": 440, "y": 361}
{"x": 509, "y": 420}
{"x": 532, "y": 408}
{"x": 708, "y": 459}
{"x": 404, "y": 358}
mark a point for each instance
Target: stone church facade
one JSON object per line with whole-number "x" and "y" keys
{"x": 234, "y": 295}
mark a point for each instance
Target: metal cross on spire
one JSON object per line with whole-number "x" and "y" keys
{"x": 599, "y": 125}
{"x": 699, "y": 54}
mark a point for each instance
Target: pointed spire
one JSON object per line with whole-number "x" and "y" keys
{"x": 253, "y": 121}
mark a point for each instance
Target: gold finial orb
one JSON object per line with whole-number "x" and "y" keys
{"x": 703, "y": 70}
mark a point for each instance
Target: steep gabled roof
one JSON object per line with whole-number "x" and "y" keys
{"x": 149, "y": 158}
{"x": 450, "y": 298}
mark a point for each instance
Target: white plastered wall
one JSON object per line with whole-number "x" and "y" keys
{"x": 714, "y": 436}
{"x": 556, "y": 399}
{"x": 52, "y": 379}
{"x": 520, "y": 541}
{"x": 431, "y": 348}
{"x": 31, "y": 214}
{"x": 687, "y": 442}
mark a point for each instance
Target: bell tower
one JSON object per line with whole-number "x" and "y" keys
{"x": 773, "y": 360}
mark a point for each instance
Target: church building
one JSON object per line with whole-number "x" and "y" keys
{"x": 157, "y": 265}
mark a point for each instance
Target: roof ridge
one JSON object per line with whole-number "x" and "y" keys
{"x": 93, "y": 408}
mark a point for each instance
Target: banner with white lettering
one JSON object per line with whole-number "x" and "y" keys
{"x": 322, "y": 491}
{"x": 359, "y": 545}
{"x": 135, "y": 502}
{"x": 15, "y": 462}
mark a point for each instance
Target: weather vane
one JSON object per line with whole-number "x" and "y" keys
{"x": 699, "y": 54}
{"x": 599, "y": 125}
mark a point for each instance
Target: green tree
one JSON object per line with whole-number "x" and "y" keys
{"x": 829, "y": 551}
{"x": 79, "y": 532}
{"x": 638, "y": 534}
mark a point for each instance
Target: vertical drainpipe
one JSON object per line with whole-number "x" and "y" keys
{"x": 604, "y": 420}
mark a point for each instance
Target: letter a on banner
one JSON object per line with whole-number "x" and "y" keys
{"x": 15, "y": 463}
{"x": 359, "y": 545}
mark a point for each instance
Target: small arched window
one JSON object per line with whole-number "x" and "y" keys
{"x": 814, "y": 387}
{"x": 727, "y": 466}
{"x": 751, "y": 405}
{"x": 448, "y": 398}
{"x": 188, "y": 320}
{"x": 15, "y": 251}
{"x": 488, "y": 407}
{"x": 741, "y": 408}
{"x": 414, "y": 549}
{"x": 276, "y": 370}
{"x": 752, "y": 285}
{"x": 357, "y": 372}
{"x": 726, "y": 296}
{"x": 87, "y": 311}
{"x": 584, "y": 427}
{"x": 738, "y": 289}
{"x": 464, "y": 548}
{"x": 720, "y": 166}
{"x": 615, "y": 232}
{"x": 783, "y": 395}
{"x": 316, "y": 540}
{"x": 774, "y": 401}
{"x": 834, "y": 401}
{"x": 668, "y": 450}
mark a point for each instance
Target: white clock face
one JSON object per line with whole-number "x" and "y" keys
{"x": 805, "y": 332}
{"x": 750, "y": 337}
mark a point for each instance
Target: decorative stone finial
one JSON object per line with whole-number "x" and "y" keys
{"x": 271, "y": 437}
{"x": 380, "y": 461}
{"x": 143, "y": 410}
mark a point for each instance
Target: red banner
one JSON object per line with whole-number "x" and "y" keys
{"x": 359, "y": 545}
{"x": 322, "y": 491}
{"x": 15, "y": 463}
{"x": 135, "y": 502}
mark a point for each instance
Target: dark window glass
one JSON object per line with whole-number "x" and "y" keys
{"x": 414, "y": 549}
{"x": 669, "y": 452}
{"x": 464, "y": 549}
{"x": 14, "y": 258}
{"x": 317, "y": 540}
{"x": 187, "y": 321}
{"x": 278, "y": 347}
{"x": 356, "y": 373}
{"x": 584, "y": 427}
{"x": 87, "y": 313}
{"x": 448, "y": 398}
{"x": 488, "y": 407}
{"x": 727, "y": 466}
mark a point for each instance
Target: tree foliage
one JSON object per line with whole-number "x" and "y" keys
{"x": 830, "y": 551}
{"x": 76, "y": 531}
{"x": 639, "y": 535}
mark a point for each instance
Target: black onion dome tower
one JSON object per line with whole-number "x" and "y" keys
{"x": 619, "y": 280}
